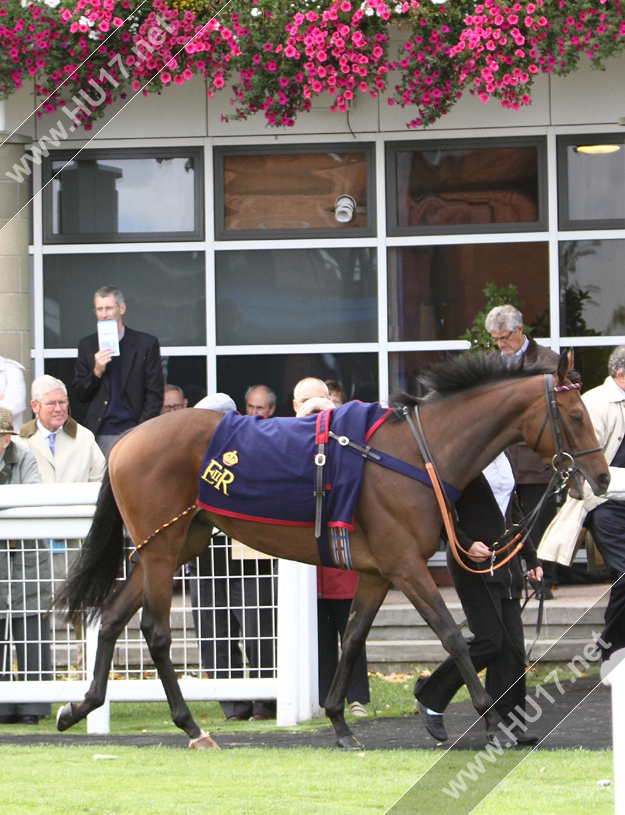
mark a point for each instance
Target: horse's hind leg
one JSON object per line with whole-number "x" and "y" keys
{"x": 155, "y": 625}
{"x": 370, "y": 593}
{"x": 426, "y": 598}
{"x": 116, "y": 614}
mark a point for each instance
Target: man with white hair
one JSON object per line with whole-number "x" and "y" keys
{"x": 66, "y": 452}
{"x": 505, "y": 325}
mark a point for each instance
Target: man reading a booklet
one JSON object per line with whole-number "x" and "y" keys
{"x": 118, "y": 372}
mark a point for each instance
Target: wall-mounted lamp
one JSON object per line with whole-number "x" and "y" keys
{"x": 597, "y": 149}
{"x": 344, "y": 209}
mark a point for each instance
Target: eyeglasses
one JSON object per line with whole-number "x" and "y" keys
{"x": 60, "y": 402}
{"x": 505, "y": 338}
{"x": 177, "y": 406}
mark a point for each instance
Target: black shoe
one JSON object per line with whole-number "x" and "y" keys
{"x": 544, "y": 593}
{"x": 522, "y": 739}
{"x": 28, "y": 720}
{"x": 12, "y": 719}
{"x": 433, "y": 723}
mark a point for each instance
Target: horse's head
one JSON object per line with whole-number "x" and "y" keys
{"x": 560, "y": 430}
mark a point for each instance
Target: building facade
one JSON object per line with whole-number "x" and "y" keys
{"x": 345, "y": 247}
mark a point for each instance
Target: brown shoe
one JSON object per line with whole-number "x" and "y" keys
{"x": 260, "y": 717}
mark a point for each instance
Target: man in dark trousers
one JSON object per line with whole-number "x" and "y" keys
{"x": 491, "y": 602}
{"x": 121, "y": 391}
{"x": 505, "y": 325}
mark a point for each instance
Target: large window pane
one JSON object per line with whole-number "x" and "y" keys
{"x": 592, "y": 288}
{"x": 358, "y": 373}
{"x": 124, "y": 195}
{"x": 460, "y": 187}
{"x": 405, "y": 369}
{"x": 592, "y": 364}
{"x": 592, "y": 182}
{"x": 164, "y": 291}
{"x": 296, "y": 295}
{"x": 189, "y": 373}
{"x": 261, "y": 193}
{"x": 434, "y": 292}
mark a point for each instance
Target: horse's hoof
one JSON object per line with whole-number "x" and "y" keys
{"x": 349, "y": 743}
{"x": 65, "y": 717}
{"x": 203, "y": 742}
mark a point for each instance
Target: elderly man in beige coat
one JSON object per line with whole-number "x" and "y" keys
{"x": 604, "y": 517}
{"x": 66, "y": 453}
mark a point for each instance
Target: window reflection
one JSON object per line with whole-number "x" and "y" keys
{"x": 405, "y": 369}
{"x": 434, "y": 292}
{"x": 592, "y": 288}
{"x": 467, "y": 186}
{"x": 293, "y": 191}
{"x": 358, "y": 373}
{"x": 596, "y": 182}
{"x": 164, "y": 291}
{"x": 592, "y": 364}
{"x": 120, "y": 195}
{"x": 296, "y": 296}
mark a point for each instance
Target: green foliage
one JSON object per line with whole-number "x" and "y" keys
{"x": 477, "y": 335}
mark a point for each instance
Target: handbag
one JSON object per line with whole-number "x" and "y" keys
{"x": 616, "y": 490}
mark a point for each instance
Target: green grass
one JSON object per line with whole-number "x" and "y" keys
{"x": 151, "y": 781}
{"x": 390, "y": 696}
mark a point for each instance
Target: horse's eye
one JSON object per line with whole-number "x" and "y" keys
{"x": 574, "y": 417}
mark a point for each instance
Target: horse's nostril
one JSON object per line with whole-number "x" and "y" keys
{"x": 603, "y": 480}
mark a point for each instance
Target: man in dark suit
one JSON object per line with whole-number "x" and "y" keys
{"x": 121, "y": 391}
{"x": 505, "y": 325}
{"x": 486, "y": 508}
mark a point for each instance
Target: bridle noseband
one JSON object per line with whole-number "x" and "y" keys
{"x": 563, "y": 463}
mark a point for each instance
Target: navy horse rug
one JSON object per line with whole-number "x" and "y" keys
{"x": 264, "y": 469}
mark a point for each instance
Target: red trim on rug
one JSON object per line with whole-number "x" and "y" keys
{"x": 342, "y": 525}
{"x": 375, "y": 425}
{"x": 322, "y": 427}
{"x": 243, "y": 517}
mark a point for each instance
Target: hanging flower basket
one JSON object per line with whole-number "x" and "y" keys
{"x": 280, "y": 54}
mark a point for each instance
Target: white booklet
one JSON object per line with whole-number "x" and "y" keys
{"x": 107, "y": 336}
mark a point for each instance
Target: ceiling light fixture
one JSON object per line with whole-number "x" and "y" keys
{"x": 597, "y": 149}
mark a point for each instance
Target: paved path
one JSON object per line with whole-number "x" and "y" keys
{"x": 581, "y": 717}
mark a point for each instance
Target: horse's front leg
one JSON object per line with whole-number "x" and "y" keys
{"x": 156, "y": 628}
{"x": 118, "y": 611}
{"x": 422, "y": 592}
{"x": 370, "y": 593}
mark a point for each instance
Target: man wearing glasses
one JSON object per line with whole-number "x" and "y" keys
{"x": 505, "y": 326}
{"x": 124, "y": 389}
{"x": 173, "y": 399}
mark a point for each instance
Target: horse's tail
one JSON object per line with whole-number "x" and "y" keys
{"x": 92, "y": 576}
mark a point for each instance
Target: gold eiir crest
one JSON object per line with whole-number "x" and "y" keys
{"x": 230, "y": 458}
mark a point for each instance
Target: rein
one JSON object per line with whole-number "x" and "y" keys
{"x": 562, "y": 472}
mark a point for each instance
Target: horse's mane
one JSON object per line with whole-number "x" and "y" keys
{"x": 463, "y": 373}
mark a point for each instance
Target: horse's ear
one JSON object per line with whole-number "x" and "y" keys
{"x": 564, "y": 365}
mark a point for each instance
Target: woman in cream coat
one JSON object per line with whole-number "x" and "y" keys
{"x": 606, "y": 406}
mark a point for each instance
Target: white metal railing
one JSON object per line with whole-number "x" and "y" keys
{"x": 59, "y": 515}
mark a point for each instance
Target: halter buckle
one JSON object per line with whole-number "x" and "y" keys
{"x": 320, "y": 460}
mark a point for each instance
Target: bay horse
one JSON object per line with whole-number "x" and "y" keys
{"x": 478, "y": 407}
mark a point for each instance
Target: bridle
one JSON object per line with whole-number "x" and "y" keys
{"x": 563, "y": 464}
